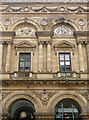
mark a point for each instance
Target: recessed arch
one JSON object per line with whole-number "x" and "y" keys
{"x": 13, "y": 97}
{"x": 71, "y": 23}
{"x": 22, "y": 21}
{"x": 70, "y": 95}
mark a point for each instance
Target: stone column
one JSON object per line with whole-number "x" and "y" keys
{"x": 8, "y": 57}
{"x": 1, "y": 53}
{"x": 40, "y": 56}
{"x": 81, "y": 60}
{"x": 49, "y": 56}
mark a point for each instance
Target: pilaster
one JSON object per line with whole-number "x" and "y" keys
{"x": 81, "y": 59}
{"x": 49, "y": 56}
{"x": 40, "y": 56}
{"x": 8, "y": 57}
{"x": 1, "y": 54}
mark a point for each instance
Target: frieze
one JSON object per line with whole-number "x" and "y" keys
{"x": 43, "y": 9}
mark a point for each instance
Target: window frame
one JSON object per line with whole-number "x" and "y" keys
{"x": 65, "y": 61}
{"x": 25, "y": 62}
{"x": 65, "y": 73}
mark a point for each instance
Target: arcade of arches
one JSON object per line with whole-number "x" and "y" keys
{"x": 44, "y": 60}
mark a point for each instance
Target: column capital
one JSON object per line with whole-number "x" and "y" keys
{"x": 40, "y": 42}
{"x": 9, "y": 42}
{"x": 48, "y": 42}
{"x": 79, "y": 42}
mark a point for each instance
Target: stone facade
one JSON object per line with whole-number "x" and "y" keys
{"x": 44, "y": 29}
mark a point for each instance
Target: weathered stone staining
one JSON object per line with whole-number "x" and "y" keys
{"x": 44, "y": 59}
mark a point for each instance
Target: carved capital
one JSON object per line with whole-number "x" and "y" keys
{"x": 41, "y": 42}
{"x": 48, "y": 42}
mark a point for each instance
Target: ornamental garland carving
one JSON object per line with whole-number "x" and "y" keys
{"x": 44, "y": 9}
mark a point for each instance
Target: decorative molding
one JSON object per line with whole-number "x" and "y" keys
{"x": 44, "y": 96}
{"x": 43, "y": 9}
{"x": 25, "y": 32}
{"x": 7, "y": 33}
{"x": 44, "y": 34}
{"x": 63, "y": 30}
{"x": 5, "y": 94}
{"x": 64, "y": 44}
{"x": 25, "y": 44}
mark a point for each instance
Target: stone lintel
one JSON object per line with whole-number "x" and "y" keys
{"x": 44, "y": 34}
{"x": 81, "y": 33}
{"x": 7, "y": 34}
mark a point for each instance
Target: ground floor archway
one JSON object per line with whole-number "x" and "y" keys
{"x": 22, "y": 110}
{"x": 67, "y": 109}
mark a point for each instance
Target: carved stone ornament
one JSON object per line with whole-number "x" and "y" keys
{"x": 63, "y": 30}
{"x": 25, "y": 31}
{"x": 44, "y": 96}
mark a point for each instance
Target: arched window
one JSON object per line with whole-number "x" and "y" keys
{"x": 67, "y": 109}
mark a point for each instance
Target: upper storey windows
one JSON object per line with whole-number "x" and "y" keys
{"x": 63, "y": 30}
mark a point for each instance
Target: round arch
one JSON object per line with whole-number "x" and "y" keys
{"x": 13, "y": 97}
{"x": 67, "y": 21}
{"x": 70, "y": 95}
{"x": 22, "y": 21}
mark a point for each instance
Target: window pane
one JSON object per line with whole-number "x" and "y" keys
{"x": 27, "y": 65}
{"x": 67, "y": 63}
{"x": 27, "y": 57}
{"x": 21, "y": 65}
{"x": 61, "y": 56}
{"x": 22, "y": 57}
{"x": 61, "y": 63}
{"x": 62, "y": 68}
{"x": 67, "y": 57}
{"x": 68, "y": 68}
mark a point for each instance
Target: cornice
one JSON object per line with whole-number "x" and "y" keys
{"x": 44, "y": 8}
{"x": 43, "y": 82}
{"x": 44, "y": 34}
{"x": 81, "y": 33}
{"x": 7, "y": 34}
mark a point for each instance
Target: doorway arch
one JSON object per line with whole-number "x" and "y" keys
{"x": 67, "y": 109}
{"x": 22, "y": 110}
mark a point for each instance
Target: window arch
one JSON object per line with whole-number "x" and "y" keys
{"x": 67, "y": 109}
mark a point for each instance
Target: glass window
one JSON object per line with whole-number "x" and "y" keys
{"x": 64, "y": 62}
{"x": 67, "y": 109}
{"x": 24, "y": 61}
